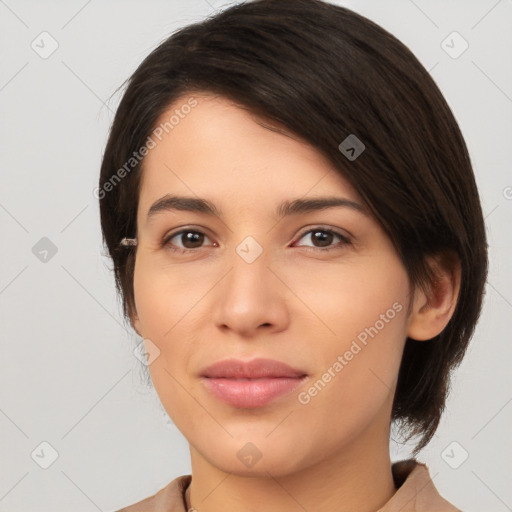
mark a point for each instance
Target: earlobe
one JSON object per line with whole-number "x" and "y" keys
{"x": 432, "y": 309}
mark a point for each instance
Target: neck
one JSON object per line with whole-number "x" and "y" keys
{"x": 357, "y": 477}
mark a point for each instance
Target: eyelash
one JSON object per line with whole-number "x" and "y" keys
{"x": 165, "y": 242}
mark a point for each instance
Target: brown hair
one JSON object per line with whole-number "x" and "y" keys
{"x": 325, "y": 72}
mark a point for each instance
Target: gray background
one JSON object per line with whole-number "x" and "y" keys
{"x": 68, "y": 375}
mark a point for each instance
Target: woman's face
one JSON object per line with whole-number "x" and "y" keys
{"x": 255, "y": 284}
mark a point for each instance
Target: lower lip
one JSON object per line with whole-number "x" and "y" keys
{"x": 251, "y": 393}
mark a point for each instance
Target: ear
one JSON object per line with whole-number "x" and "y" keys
{"x": 432, "y": 309}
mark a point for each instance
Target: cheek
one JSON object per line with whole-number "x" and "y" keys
{"x": 345, "y": 299}
{"x": 165, "y": 294}
{"x": 361, "y": 312}
{"x": 165, "y": 299}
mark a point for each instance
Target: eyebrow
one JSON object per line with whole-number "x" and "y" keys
{"x": 171, "y": 202}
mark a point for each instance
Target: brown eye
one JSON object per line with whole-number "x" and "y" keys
{"x": 323, "y": 238}
{"x": 191, "y": 239}
{"x": 186, "y": 239}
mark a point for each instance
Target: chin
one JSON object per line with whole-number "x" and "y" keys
{"x": 255, "y": 456}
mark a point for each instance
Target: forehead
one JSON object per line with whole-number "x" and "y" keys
{"x": 212, "y": 147}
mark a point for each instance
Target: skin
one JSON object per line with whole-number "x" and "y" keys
{"x": 293, "y": 303}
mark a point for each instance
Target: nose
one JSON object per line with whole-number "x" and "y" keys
{"x": 251, "y": 299}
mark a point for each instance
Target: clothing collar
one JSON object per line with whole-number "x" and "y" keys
{"x": 415, "y": 493}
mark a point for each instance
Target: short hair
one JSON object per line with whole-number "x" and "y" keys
{"x": 325, "y": 72}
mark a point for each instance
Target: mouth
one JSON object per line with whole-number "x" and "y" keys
{"x": 251, "y": 393}
{"x": 251, "y": 384}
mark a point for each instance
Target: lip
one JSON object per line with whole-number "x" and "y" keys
{"x": 251, "y": 384}
{"x": 254, "y": 369}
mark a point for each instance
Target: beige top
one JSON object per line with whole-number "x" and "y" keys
{"x": 416, "y": 493}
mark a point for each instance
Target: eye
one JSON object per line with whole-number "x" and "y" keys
{"x": 324, "y": 237}
{"x": 189, "y": 238}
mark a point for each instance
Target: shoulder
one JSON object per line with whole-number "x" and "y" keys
{"x": 167, "y": 499}
{"x": 416, "y": 491}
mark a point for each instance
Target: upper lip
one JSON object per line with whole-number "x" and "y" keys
{"x": 253, "y": 369}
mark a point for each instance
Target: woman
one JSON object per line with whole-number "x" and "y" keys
{"x": 297, "y": 235}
